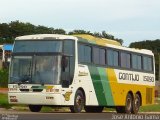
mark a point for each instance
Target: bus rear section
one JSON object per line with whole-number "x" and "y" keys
{"x": 121, "y": 77}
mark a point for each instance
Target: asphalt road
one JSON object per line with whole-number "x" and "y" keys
{"x": 13, "y": 115}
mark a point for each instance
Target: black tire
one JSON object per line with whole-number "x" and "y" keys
{"x": 136, "y": 104}
{"x": 94, "y": 109}
{"x": 35, "y": 108}
{"x": 79, "y": 102}
{"x": 128, "y": 105}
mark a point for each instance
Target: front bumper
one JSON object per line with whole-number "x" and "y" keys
{"x": 35, "y": 98}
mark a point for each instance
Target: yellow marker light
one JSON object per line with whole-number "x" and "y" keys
{"x": 52, "y": 90}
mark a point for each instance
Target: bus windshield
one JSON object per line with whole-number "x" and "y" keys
{"x": 35, "y": 69}
{"x": 37, "y": 46}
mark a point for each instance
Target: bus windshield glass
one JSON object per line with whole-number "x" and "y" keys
{"x": 35, "y": 69}
{"x": 37, "y": 46}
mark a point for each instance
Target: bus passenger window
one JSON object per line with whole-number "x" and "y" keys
{"x": 84, "y": 53}
{"x": 136, "y": 62}
{"x": 112, "y": 58}
{"x": 125, "y": 60}
{"x": 99, "y": 56}
{"x": 147, "y": 64}
{"x": 102, "y": 57}
{"x": 96, "y": 55}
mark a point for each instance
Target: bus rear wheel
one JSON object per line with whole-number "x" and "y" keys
{"x": 136, "y": 104}
{"x": 78, "y": 102}
{"x": 94, "y": 109}
{"x": 35, "y": 108}
{"x": 128, "y": 105}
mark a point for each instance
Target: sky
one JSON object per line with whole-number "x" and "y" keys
{"x": 130, "y": 20}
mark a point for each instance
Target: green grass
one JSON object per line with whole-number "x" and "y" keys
{"x": 46, "y": 109}
{"x": 151, "y": 108}
{"x": 4, "y": 78}
{"x": 4, "y": 101}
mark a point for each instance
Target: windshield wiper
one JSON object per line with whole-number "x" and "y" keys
{"x": 21, "y": 80}
{"x": 25, "y": 79}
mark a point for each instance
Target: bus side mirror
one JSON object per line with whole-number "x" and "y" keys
{"x": 64, "y": 62}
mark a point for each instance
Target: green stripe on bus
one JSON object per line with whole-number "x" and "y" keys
{"x": 106, "y": 86}
{"x": 97, "y": 83}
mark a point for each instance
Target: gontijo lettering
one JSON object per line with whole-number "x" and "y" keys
{"x": 128, "y": 76}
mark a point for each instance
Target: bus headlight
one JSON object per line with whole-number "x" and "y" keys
{"x": 13, "y": 99}
{"x": 12, "y": 89}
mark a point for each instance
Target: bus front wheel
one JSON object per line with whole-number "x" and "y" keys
{"x": 35, "y": 108}
{"x": 79, "y": 101}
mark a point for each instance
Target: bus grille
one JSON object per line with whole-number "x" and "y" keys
{"x": 37, "y": 90}
{"x": 33, "y": 90}
{"x": 149, "y": 95}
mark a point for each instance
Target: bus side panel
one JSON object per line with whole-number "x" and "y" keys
{"x": 120, "y": 90}
{"x": 101, "y": 86}
{"x": 111, "y": 92}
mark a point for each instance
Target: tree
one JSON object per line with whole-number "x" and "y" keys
{"x": 4, "y": 30}
{"x": 79, "y": 32}
{"x": 16, "y": 28}
{"x": 59, "y": 31}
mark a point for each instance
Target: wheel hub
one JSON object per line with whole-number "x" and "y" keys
{"x": 78, "y": 100}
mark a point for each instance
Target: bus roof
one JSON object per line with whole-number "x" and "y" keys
{"x": 110, "y": 43}
{"x": 96, "y": 40}
{"x": 45, "y": 37}
{"x": 81, "y": 37}
{"x": 87, "y": 39}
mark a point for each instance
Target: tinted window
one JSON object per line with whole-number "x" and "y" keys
{"x": 102, "y": 56}
{"x": 139, "y": 62}
{"x": 112, "y": 58}
{"x": 125, "y": 60}
{"x": 37, "y": 46}
{"x": 68, "y": 47}
{"x": 147, "y": 63}
{"x": 99, "y": 56}
{"x": 81, "y": 53}
{"x": 136, "y": 62}
{"x": 96, "y": 55}
{"x": 87, "y": 54}
{"x": 84, "y": 53}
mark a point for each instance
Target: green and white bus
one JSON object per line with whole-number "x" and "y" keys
{"x": 80, "y": 71}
